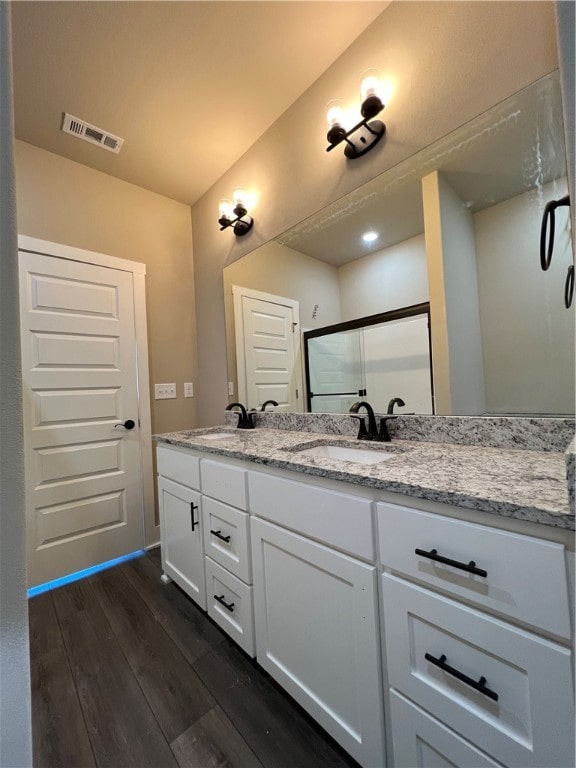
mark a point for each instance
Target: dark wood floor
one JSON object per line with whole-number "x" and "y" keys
{"x": 127, "y": 671}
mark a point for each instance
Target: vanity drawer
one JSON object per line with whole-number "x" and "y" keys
{"x": 234, "y": 610}
{"x": 224, "y": 482}
{"x": 526, "y": 577}
{"x": 222, "y": 522}
{"x": 418, "y": 740}
{"x": 530, "y": 724}
{"x": 178, "y": 465}
{"x": 333, "y": 518}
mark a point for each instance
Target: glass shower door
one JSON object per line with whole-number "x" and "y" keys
{"x": 336, "y": 372}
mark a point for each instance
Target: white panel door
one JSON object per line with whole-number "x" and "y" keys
{"x": 267, "y": 336}
{"x": 84, "y": 497}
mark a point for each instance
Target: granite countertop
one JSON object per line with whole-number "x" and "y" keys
{"x": 520, "y": 484}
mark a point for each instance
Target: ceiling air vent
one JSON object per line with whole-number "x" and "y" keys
{"x": 91, "y": 133}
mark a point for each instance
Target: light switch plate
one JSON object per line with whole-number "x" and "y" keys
{"x": 230, "y": 387}
{"x": 164, "y": 391}
{"x": 188, "y": 389}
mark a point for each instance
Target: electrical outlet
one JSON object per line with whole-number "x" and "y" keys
{"x": 164, "y": 391}
{"x": 188, "y": 389}
{"x": 230, "y": 387}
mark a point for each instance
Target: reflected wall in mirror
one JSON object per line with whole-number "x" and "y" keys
{"x": 458, "y": 226}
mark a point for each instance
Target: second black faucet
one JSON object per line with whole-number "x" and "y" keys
{"x": 372, "y": 433}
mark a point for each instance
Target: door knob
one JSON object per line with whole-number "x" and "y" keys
{"x": 128, "y": 424}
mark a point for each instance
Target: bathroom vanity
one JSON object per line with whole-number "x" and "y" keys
{"x": 415, "y": 600}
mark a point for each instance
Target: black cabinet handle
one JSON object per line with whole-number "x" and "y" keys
{"x": 219, "y": 535}
{"x": 193, "y": 508}
{"x": 468, "y": 567}
{"x": 478, "y": 686}
{"x": 228, "y": 606}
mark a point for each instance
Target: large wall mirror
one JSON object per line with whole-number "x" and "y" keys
{"x": 494, "y": 176}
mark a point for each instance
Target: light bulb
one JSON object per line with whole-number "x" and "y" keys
{"x": 225, "y": 209}
{"x": 334, "y": 113}
{"x": 371, "y": 101}
{"x": 370, "y": 237}
{"x": 370, "y": 85}
{"x": 239, "y": 197}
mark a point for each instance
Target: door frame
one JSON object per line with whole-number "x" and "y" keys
{"x": 138, "y": 270}
{"x": 238, "y": 293}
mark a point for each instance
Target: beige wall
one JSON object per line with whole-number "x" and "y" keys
{"x": 65, "y": 202}
{"x": 450, "y": 62}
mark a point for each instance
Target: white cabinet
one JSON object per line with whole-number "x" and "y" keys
{"x": 227, "y": 549}
{"x": 423, "y": 742}
{"x": 230, "y": 604}
{"x": 460, "y": 672}
{"x": 336, "y": 518}
{"x": 181, "y": 532}
{"x": 512, "y": 576}
{"x": 180, "y": 506}
{"x": 441, "y": 649}
{"x": 461, "y": 631}
{"x": 316, "y": 618}
{"x": 226, "y": 538}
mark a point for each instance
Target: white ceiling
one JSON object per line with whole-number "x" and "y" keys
{"x": 189, "y": 86}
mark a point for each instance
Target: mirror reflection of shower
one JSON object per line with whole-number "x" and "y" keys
{"x": 380, "y": 358}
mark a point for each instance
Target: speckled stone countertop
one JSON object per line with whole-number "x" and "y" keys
{"x": 521, "y": 484}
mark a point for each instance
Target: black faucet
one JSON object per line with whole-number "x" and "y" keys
{"x": 372, "y": 433}
{"x": 268, "y": 402}
{"x": 393, "y": 402}
{"x": 244, "y": 418}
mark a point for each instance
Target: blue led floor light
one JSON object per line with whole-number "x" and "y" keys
{"x": 83, "y": 574}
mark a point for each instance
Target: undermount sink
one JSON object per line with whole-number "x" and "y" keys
{"x": 347, "y": 453}
{"x": 218, "y": 435}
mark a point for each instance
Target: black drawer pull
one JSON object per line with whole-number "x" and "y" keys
{"x": 468, "y": 567}
{"x": 228, "y": 606}
{"x": 478, "y": 686}
{"x": 193, "y": 508}
{"x": 219, "y": 535}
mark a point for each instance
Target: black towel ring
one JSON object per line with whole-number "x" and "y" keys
{"x": 547, "y": 231}
{"x": 569, "y": 287}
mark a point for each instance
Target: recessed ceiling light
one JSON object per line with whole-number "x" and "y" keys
{"x": 369, "y": 237}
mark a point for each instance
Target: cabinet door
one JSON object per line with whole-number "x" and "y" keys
{"x": 229, "y": 603}
{"x": 518, "y": 573}
{"x": 181, "y": 533}
{"x": 420, "y": 741}
{"x": 502, "y": 688}
{"x": 226, "y": 537}
{"x": 316, "y": 634}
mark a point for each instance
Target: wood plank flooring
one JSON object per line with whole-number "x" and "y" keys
{"x": 127, "y": 671}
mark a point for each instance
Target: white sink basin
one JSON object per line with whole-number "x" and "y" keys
{"x": 218, "y": 435}
{"x": 345, "y": 453}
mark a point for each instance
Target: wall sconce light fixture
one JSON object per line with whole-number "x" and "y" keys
{"x": 234, "y": 214}
{"x": 369, "y": 131}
